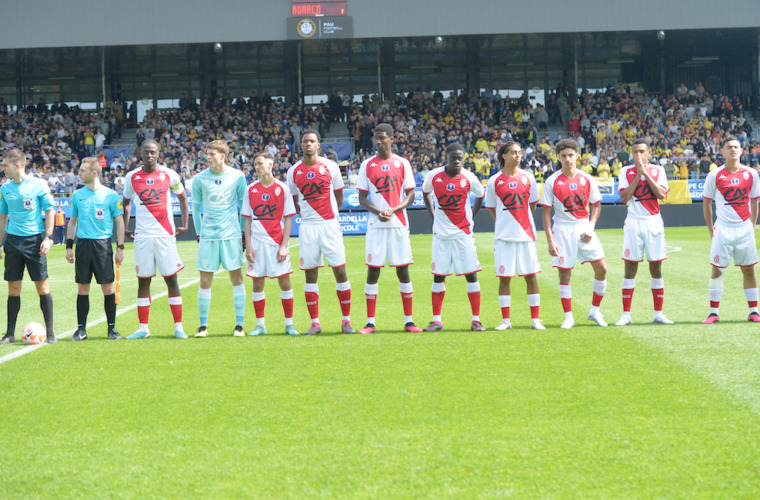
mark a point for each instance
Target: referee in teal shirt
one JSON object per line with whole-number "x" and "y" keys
{"x": 95, "y": 211}
{"x": 22, "y": 201}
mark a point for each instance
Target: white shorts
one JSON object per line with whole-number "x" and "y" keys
{"x": 642, "y": 235}
{"x": 158, "y": 252}
{"x": 389, "y": 242}
{"x": 733, "y": 240}
{"x": 515, "y": 258}
{"x": 457, "y": 254}
{"x": 321, "y": 240}
{"x": 568, "y": 239}
{"x": 266, "y": 265}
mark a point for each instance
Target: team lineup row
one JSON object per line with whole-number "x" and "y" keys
{"x": 570, "y": 209}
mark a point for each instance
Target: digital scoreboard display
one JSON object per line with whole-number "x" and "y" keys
{"x": 328, "y": 8}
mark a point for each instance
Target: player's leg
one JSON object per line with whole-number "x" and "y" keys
{"x": 750, "y": 291}
{"x": 566, "y": 296}
{"x": 238, "y": 299}
{"x": 473, "y": 295}
{"x": 438, "y": 292}
{"x": 534, "y": 301}
{"x": 109, "y": 305}
{"x": 36, "y": 264}
{"x": 101, "y": 259}
{"x": 143, "y": 307}
{"x": 721, "y": 252}
{"x": 598, "y": 288}
{"x": 343, "y": 289}
{"x": 370, "y": 296}
{"x": 407, "y": 296}
{"x": 175, "y": 304}
{"x": 629, "y": 285}
{"x": 46, "y": 305}
{"x": 13, "y": 308}
{"x": 83, "y": 277}
{"x": 83, "y": 309}
{"x": 505, "y": 302}
{"x": 658, "y": 293}
{"x": 286, "y": 297}
{"x": 204, "y": 302}
{"x": 259, "y": 305}
{"x": 715, "y": 291}
{"x": 311, "y": 293}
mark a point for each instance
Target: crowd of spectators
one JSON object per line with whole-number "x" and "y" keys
{"x": 685, "y": 129}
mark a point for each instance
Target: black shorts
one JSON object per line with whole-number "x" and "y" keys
{"x": 24, "y": 251}
{"x": 93, "y": 257}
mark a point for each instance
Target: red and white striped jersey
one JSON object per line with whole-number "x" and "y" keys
{"x": 386, "y": 183}
{"x": 314, "y": 186}
{"x": 453, "y": 213}
{"x": 267, "y": 207}
{"x": 153, "y": 211}
{"x": 643, "y": 203}
{"x": 731, "y": 192}
{"x": 511, "y": 197}
{"x": 570, "y": 196}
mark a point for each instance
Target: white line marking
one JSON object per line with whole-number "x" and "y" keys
{"x": 69, "y": 333}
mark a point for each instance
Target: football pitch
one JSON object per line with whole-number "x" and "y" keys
{"x": 640, "y": 411}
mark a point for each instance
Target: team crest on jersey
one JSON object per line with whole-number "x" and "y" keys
{"x": 250, "y": 269}
{"x": 321, "y": 169}
{"x": 745, "y": 175}
{"x": 512, "y": 185}
{"x": 463, "y": 182}
{"x": 717, "y": 259}
{"x": 310, "y": 175}
{"x": 450, "y": 187}
{"x": 397, "y": 164}
{"x": 583, "y": 181}
{"x": 100, "y": 214}
{"x": 734, "y": 181}
{"x": 265, "y": 196}
{"x": 524, "y": 180}
{"x": 573, "y": 186}
{"x": 218, "y": 182}
{"x": 277, "y": 191}
{"x": 161, "y": 176}
{"x": 385, "y": 168}
{"x": 149, "y": 182}
{"x": 28, "y": 203}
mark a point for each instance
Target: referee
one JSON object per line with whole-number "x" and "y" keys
{"x": 22, "y": 201}
{"x": 95, "y": 210}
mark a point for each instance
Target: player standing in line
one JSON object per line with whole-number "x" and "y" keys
{"x": 511, "y": 198}
{"x": 268, "y": 204}
{"x": 317, "y": 188}
{"x": 154, "y": 234}
{"x": 569, "y": 192}
{"x": 386, "y": 187}
{"x": 735, "y": 189}
{"x": 95, "y": 211}
{"x": 219, "y": 189}
{"x": 642, "y": 186}
{"x": 22, "y": 200}
{"x": 453, "y": 241}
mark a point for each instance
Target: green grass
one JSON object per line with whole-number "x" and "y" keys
{"x": 641, "y": 411}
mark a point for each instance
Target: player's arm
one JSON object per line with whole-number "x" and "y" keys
{"x": 658, "y": 191}
{"x": 428, "y": 204}
{"x": 71, "y": 232}
{"x": 476, "y": 206}
{"x": 627, "y": 193}
{"x": 366, "y": 204}
{"x": 249, "y": 253}
{"x": 297, "y": 205}
{"x": 596, "y": 211}
{"x": 753, "y": 210}
{"x": 547, "y": 218}
{"x": 492, "y": 211}
{"x": 47, "y": 240}
{"x": 407, "y": 202}
{"x": 3, "y": 222}
{"x": 125, "y": 204}
{"x": 118, "y": 224}
{"x": 282, "y": 252}
{"x": 339, "y": 197}
{"x": 707, "y": 212}
{"x": 533, "y": 207}
{"x": 183, "y": 209}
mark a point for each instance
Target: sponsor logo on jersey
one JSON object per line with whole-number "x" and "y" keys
{"x": 385, "y": 168}
{"x": 450, "y": 187}
{"x": 500, "y": 183}
{"x": 512, "y": 185}
{"x": 560, "y": 183}
{"x": 149, "y": 182}
{"x": 310, "y": 175}
{"x": 734, "y": 181}
{"x": 573, "y": 186}
{"x": 218, "y": 182}
{"x": 265, "y": 197}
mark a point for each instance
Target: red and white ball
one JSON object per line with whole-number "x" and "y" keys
{"x": 33, "y": 333}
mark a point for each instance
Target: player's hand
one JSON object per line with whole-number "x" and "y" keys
{"x": 553, "y": 249}
{"x": 250, "y": 254}
{"x": 181, "y": 230}
{"x": 119, "y": 255}
{"x": 70, "y": 255}
{"x": 385, "y": 215}
{"x": 45, "y": 246}
{"x": 2, "y": 251}
{"x": 282, "y": 253}
{"x": 130, "y": 234}
{"x": 586, "y": 237}
{"x": 244, "y": 242}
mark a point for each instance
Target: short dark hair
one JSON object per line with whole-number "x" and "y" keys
{"x": 504, "y": 149}
{"x": 454, "y": 146}
{"x": 567, "y": 144}
{"x": 264, "y": 154}
{"x": 149, "y": 141}
{"x": 729, "y": 138}
{"x": 384, "y": 128}
{"x": 642, "y": 140}
{"x": 311, "y": 131}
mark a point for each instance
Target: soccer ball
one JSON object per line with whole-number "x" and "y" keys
{"x": 33, "y": 333}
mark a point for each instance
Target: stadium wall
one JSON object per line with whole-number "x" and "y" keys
{"x": 41, "y": 23}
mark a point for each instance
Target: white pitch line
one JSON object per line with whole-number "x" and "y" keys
{"x": 69, "y": 333}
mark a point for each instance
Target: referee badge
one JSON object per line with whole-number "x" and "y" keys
{"x": 100, "y": 214}
{"x": 28, "y": 203}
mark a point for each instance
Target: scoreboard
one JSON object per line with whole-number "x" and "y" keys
{"x": 302, "y": 8}
{"x": 319, "y": 20}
